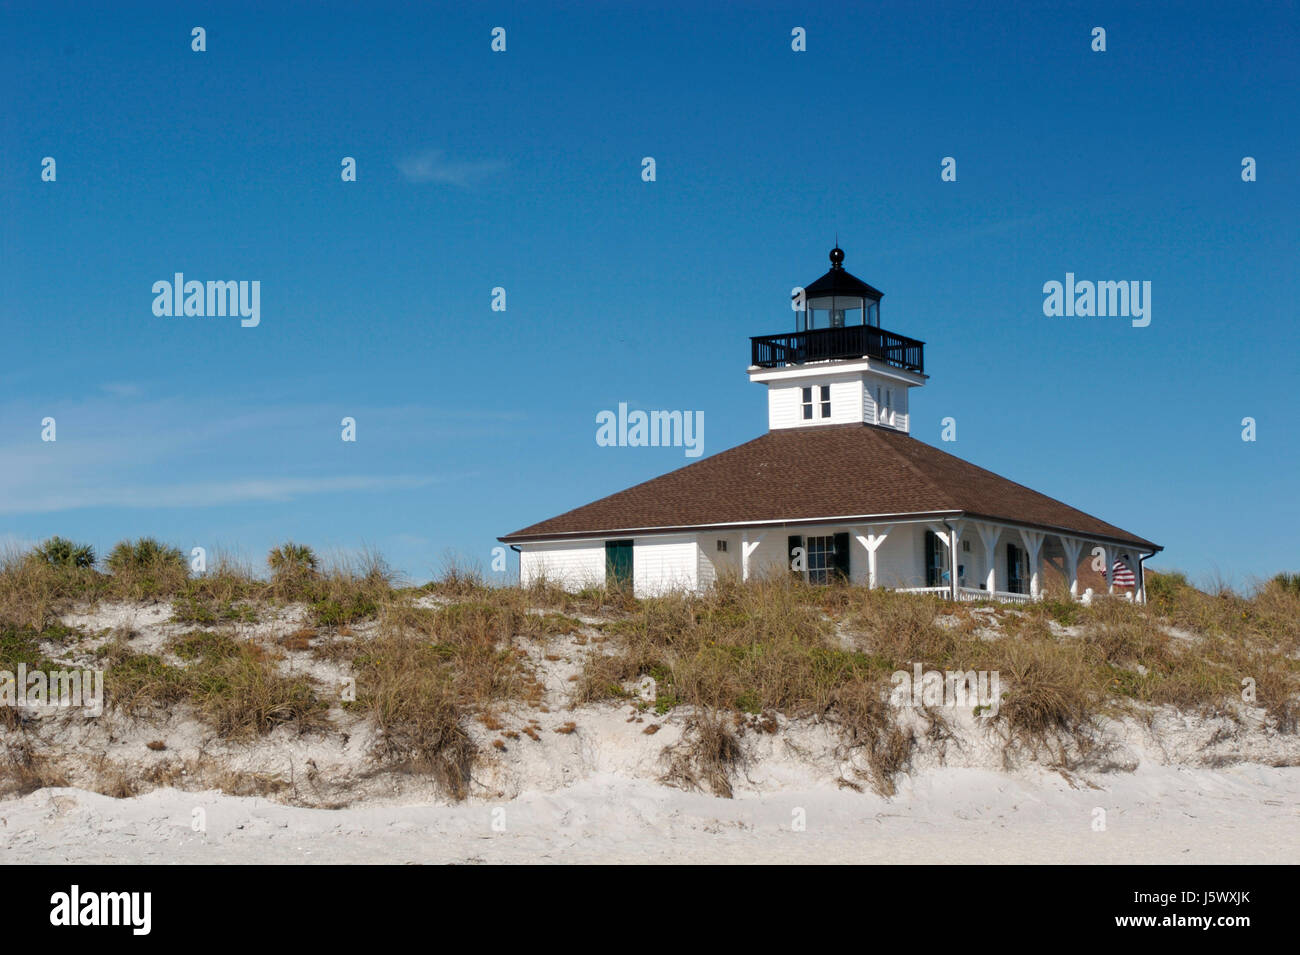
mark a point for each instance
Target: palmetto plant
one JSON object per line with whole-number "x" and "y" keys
{"x": 292, "y": 560}
{"x": 144, "y": 554}
{"x": 61, "y": 552}
{"x": 145, "y": 568}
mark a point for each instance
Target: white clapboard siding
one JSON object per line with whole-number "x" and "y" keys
{"x": 785, "y": 402}
{"x": 892, "y": 416}
{"x": 714, "y": 563}
{"x": 569, "y": 564}
{"x": 663, "y": 564}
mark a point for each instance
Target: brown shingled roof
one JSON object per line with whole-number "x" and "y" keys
{"x": 815, "y": 474}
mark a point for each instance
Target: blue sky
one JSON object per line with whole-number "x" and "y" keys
{"x": 522, "y": 170}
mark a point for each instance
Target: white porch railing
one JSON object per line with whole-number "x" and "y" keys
{"x": 1004, "y": 596}
{"x": 970, "y": 594}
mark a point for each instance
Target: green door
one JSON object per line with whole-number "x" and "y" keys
{"x": 618, "y": 564}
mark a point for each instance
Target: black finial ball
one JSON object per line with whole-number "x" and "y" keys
{"x": 837, "y": 257}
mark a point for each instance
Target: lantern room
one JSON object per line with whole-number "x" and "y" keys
{"x": 837, "y": 300}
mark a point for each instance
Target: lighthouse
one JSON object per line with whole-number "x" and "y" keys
{"x": 836, "y": 491}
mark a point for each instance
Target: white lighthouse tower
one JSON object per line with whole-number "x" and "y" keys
{"x": 838, "y": 366}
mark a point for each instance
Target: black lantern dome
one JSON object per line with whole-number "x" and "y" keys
{"x": 838, "y": 300}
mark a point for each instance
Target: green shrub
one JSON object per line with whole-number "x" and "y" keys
{"x": 191, "y": 608}
{"x": 146, "y": 568}
{"x": 60, "y": 552}
{"x": 346, "y": 609}
{"x": 291, "y": 563}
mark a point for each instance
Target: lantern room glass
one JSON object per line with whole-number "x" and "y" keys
{"x": 840, "y": 311}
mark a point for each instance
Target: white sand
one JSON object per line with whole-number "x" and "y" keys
{"x": 1247, "y": 814}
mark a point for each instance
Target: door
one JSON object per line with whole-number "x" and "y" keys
{"x": 618, "y": 565}
{"x": 1015, "y": 569}
{"x": 936, "y": 560}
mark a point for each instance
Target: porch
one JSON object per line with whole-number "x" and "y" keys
{"x": 993, "y": 560}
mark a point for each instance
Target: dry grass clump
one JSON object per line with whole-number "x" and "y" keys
{"x": 34, "y": 592}
{"x": 228, "y": 579}
{"x": 428, "y": 671}
{"x": 594, "y": 599}
{"x": 140, "y": 684}
{"x": 1224, "y": 638}
{"x": 244, "y": 695}
{"x": 708, "y": 755}
{"x": 767, "y": 646}
{"x": 458, "y": 581}
{"x": 349, "y": 590}
{"x": 23, "y": 769}
{"x": 234, "y": 685}
{"x": 1052, "y": 697}
{"x": 190, "y": 608}
{"x": 411, "y": 695}
{"x": 869, "y": 728}
{"x": 477, "y": 644}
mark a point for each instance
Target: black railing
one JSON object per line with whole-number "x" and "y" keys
{"x": 827, "y": 344}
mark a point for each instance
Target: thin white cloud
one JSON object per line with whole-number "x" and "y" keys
{"x": 432, "y": 165}
{"x": 208, "y": 494}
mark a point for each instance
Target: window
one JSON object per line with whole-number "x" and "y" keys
{"x": 722, "y": 547}
{"x": 965, "y": 547}
{"x": 824, "y": 558}
{"x": 885, "y": 407}
{"x": 809, "y": 402}
{"x": 820, "y": 552}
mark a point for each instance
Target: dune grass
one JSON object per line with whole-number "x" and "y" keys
{"x": 727, "y": 661}
{"x": 233, "y": 684}
{"x": 828, "y": 653}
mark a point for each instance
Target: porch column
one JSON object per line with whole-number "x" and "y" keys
{"x": 1071, "y": 546}
{"x": 871, "y": 540}
{"x": 989, "y": 537}
{"x": 1033, "y": 541}
{"x": 1111, "y": 554}
{"x": 1140, "y": 572}
{"x": 747, "y": 548}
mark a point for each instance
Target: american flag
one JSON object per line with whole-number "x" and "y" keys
{"x": 1123, "y": 575}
